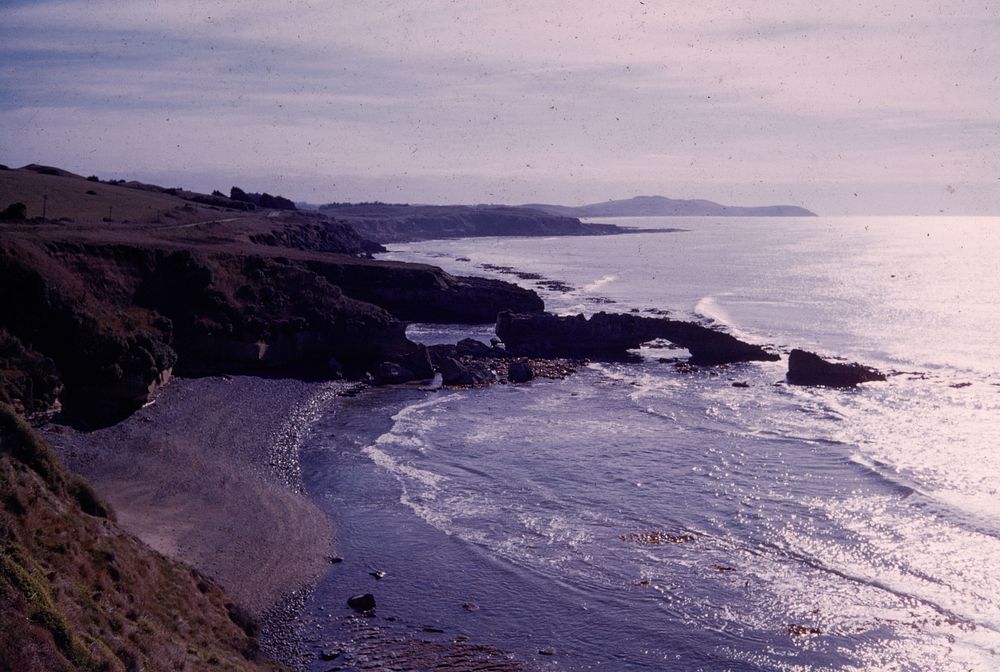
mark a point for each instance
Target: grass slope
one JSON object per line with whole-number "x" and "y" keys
{"x": 80, "y": 594}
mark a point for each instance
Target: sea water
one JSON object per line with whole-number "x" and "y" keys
{"x": 638, "y": 517}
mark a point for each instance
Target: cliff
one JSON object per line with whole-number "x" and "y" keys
{"x": 661, "y": 206}
{"x": 97, "y": 315}
{"x": 387, "y": 223}
{"x": 79, "y": 593}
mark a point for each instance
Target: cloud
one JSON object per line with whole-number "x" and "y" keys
{"x": 506, "y": 100}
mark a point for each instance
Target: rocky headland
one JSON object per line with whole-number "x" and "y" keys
{"x": 611, "y": 335}
{"x": 99, "y": 314}
{"x": 399, "y": 223}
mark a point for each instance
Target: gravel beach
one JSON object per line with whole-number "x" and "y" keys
{"x": 208, "y": 474}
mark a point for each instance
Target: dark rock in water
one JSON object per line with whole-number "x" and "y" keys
{"x": 610, "y": 335}
{"x": 740, "y": 383}
{"x": 806, "y": 368}
{"x": 655, "y": 538}
{"x": 330, "y": 655}
{"x": 335, "y": 559}
{"x": 722, "y": 568}
{"x": 470, "y": 606}
{"x": 519, "y": 372}
{"x": 377, "y": 573}
{"x": 798, "y": 630}
{"x": 547, "y": 652}
{"x": 390, "y": 373}
{"x": 418, "y": 361}
{"x": 364, "y": 602}
{"x": 451, "y": 370}
{"x": 476, "y": 373}
{"x": 465, "y": 371}
{"x": 473, "y": 348}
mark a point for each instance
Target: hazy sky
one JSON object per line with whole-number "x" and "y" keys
{"x": 844, "y": 107}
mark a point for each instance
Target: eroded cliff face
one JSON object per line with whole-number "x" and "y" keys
{"x": 116, "y": 319}
{"x": 421, "y": 293}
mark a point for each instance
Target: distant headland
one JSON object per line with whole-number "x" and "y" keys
{"x": 661, "y": 206}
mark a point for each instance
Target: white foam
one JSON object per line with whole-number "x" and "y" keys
{"x": 403, "y": 470}
{"x": 710, "y": 308}
{"x": 600, "y": 282}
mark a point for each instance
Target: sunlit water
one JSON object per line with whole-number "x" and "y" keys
{"x": 817, "y": 529}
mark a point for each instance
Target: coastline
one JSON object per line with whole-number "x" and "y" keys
{"x": 208, "y": 474}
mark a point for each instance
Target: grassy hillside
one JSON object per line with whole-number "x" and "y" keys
{"x": 80, "y": 594}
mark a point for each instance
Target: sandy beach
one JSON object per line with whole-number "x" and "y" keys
{"x": 208, "y": 474}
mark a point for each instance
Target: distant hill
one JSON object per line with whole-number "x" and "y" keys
{"x": 661, "y": 206}
{"x": 396, "y": 223}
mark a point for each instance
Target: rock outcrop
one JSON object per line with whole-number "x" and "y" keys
{"x": 610, "y": 335}
{"x": 807, "y": 368}
{"x": 117, "y": 318}
{"x": 391, "y": 223}
{"x": 520, "y": 372}
{"x": 421, "y": 293}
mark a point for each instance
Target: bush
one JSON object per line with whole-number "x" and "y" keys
{"x": 15, "y": 212}
{"x": 89, "y": 501}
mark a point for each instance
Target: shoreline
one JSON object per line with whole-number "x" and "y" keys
{"x": 208, "y": 474}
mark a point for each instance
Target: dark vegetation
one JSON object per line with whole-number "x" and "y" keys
{"x": 265, "y": 200}
{"x": 15, "y": 212}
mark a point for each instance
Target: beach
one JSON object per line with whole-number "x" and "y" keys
{"x": 208, "y": 474}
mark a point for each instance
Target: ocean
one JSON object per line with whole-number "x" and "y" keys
{"x": 638, "y": 517}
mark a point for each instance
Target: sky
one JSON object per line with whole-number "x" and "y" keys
{"x": 842, "y": 107}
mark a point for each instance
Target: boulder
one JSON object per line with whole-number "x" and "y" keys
{"x": 452, "y": 371}
{"x": 520, "y": 372}
{"x": 418, "y": 361}
{"x": 390, "y": 373}
{"x": 473, "y": 348}
{"x": 807, "y": 368}
{"x": 364, "y": 602}
{"x": 469, "y": 373}
{"x": 611, "y": 335}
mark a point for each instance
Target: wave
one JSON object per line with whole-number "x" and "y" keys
{"x": 709, "y": 308}
{"x": 600, "y": 282}
{"x": 403, "y": 470}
